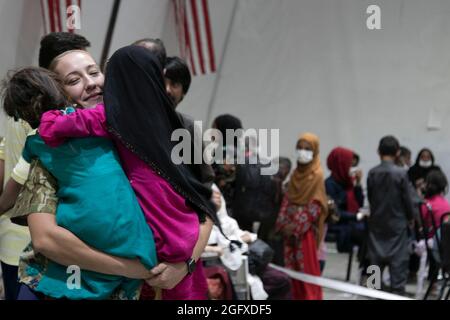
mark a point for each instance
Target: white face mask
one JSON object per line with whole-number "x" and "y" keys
{"x": 425, "y": 164}
{"x": 304, "y": 156}
{"x": 352, "y": 171}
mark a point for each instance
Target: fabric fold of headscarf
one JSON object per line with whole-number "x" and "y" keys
{"x": 339, "y": 162}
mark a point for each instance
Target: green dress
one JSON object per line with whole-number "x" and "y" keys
{"x": 98, "y": 205}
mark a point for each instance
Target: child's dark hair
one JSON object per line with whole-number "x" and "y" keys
{"x": 55, "y": 43}
{"x": 389, "y": 146}
{"x": 436, "y": 183}
{"x": 30, "y": 92}
{"x": 177, "y": 71}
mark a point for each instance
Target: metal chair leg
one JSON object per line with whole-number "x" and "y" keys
{"x": 448, "y": 294}
{"x": 444, "y": 285}
{"x": 430, "y": 286}
{"x": 349, "y": 265}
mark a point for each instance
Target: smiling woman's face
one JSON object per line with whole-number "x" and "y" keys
{"x": 81, "y": 77}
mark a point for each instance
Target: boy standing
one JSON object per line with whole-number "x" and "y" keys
{"x": 391, "y": 210}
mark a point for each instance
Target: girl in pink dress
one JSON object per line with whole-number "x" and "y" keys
{"x": 436, "y": 186}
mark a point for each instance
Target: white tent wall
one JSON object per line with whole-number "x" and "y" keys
{"x": 314, "y": 66}
{"x": 20, "y": 26}
{"x": 296, "y": 65}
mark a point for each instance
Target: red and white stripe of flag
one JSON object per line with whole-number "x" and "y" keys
{"x": 54, "y": 14}
{"x": 195, "y": 35}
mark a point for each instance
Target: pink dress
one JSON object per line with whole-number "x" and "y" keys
{"x": 440, "y": 206}
{"x": 175, "y": 225}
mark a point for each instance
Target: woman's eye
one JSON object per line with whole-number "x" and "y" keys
{"x": 94, "y": 73}
{"x": 72, "y": 82}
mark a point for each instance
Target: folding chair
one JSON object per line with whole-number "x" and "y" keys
{"x": 431, "y": 254}
{"x": 445, "y": 252}
{"x": 239, "y": 279}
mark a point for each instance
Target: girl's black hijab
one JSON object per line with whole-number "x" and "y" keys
{"x": 417, "y": 172}
{"x": 140, "y": 114}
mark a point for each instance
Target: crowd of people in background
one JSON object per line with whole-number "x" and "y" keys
{"x": 87, "y": 180}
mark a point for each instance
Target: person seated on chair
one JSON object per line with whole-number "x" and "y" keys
{"x": 436, "y": 186}
{"x": 344, "y": 187}
{"x": 230, "y": 251}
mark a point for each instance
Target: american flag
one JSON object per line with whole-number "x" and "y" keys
{"x": 54, "y": 13}
{"x": 195, "y": 35}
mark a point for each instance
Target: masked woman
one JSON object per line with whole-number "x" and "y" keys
{"x": 302, "y": 217}
{"x": 423, "y": 165}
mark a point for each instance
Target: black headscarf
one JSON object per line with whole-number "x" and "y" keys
{"x": 140, "y": 114}
{"x": 417, "y": 172}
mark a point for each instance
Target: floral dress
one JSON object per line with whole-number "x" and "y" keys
{"x": 300, "y": 249}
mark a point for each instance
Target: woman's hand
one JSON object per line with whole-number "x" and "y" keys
{"x": 358, "y": 177}
{"x": 167, "y": 275}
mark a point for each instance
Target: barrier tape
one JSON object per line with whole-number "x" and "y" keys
{"x": 339, "y": 285}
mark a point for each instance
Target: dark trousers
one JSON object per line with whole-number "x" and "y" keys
{"x": 398, "y": 272}
{"x": 10, "y": 274}
{"x": 27, "y": 294}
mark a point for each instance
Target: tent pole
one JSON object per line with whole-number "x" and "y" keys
{"x": 221, "y": 64}
{"x": 109, "y": 33}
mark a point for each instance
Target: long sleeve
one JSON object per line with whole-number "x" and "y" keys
{"x": 406, "y": 197}
{"x": 359, "y": 194}
{"x": 56, "y": 127}
{"x": 301, "y": 217}
{"x": 369, "y": 189}
{"x": 283, "y": 219}
{"x": 339, "y": 195}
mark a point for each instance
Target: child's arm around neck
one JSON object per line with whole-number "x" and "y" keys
{"x": 56, "y": 127}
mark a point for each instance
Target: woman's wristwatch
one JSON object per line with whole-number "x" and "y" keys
{"x": 191, "y": 264}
